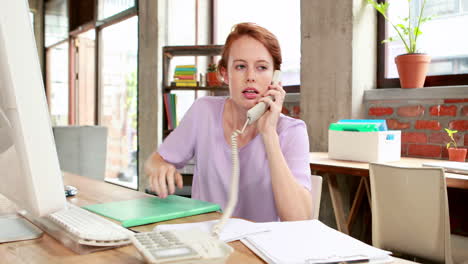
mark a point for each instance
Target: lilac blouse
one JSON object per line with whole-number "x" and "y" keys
{"x": 200, "y": 135}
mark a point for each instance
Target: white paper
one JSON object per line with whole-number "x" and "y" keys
{"x": 234, "y": 229}
{"x": 309, "y": 242}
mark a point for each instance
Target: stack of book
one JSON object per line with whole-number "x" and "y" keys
{"x": 185, "y": 75}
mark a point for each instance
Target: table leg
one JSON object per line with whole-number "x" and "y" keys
{"x": 337, "y": 203}
{"x": 356, "y": 203}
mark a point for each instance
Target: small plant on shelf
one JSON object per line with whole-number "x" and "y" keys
{"x": 455, "y": 153}
{"x": 212, "y": 75}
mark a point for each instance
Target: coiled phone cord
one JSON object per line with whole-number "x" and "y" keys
{"x": 234, "y": 183}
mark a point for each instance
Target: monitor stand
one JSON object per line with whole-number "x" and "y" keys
{"x": 16, "y": 228}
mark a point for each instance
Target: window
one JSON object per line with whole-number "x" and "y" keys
{"x": 58, "y": 83}
{"x": 447, "y": 48}
{"x": 118, "y": 99}
{"x": 282, "y": 18}
{"x": 56, "y": 22}
{"x": 108, "y": 8}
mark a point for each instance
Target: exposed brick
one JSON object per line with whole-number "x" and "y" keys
{"x": 404, "y": 150}
{"x": 411, "y": 111}
{"x": 443, "y": 110}
{"x": 430, "y": 151}
{"x": 464, "y": 110}
{"x": 397, "y": 125}
{"x": 380, "y": 111}
{"x": 466, "y": 140}
{"x": 450, "y": 101}
{"x": 460, "y": 125}
{"x": 443, "y": 138}
{"x": 413, "y": 137}
{"x": 427, "y": 124}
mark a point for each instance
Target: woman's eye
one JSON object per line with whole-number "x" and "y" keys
{"x": 262, "y": 68}
{"x": 240, "y": 67}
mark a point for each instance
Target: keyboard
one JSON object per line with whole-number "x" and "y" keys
{"x": 84, "y": 227}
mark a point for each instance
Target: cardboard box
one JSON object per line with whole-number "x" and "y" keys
{"x": 380, "y": 146}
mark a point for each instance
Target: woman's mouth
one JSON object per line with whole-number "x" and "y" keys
{"x": 250, "y": 93}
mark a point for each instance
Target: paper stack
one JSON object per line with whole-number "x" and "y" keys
{"x": 310, "y": 242}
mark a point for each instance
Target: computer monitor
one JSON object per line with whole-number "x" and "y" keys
{"x": 30, "y": 174}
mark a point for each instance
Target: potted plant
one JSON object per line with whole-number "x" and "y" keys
{"x": 455, "y": 153}
{"x": 212, "y": 76}
{"x": 412, "y": 66}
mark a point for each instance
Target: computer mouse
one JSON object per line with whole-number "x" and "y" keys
{"x": 70, "y": 190}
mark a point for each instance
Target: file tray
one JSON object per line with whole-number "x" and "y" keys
{"x": 152, "y": 209}
{"x": 379, "y": 146}
{"x": 359, "y": 127}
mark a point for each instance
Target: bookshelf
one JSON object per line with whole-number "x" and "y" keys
{"x": 169, "y": 52}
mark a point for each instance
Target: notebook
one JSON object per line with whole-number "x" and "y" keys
{"x": 152, "y": 209}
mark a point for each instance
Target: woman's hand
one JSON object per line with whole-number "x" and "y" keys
{"x": 268, "y": 122}
{"x": 162, "y": 175}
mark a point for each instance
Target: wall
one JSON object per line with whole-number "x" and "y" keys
{"x": 422, "y": 115}
{"x": 338, "y": 59}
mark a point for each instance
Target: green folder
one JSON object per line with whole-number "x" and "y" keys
{"x": 152, "y": 209}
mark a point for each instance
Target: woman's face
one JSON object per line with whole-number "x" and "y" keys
{"x": 249, "y": 71}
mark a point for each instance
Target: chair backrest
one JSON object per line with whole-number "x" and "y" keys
{"x": 82, "y": 149}
{"x": 410, "y": 211}
{"x": 316, "y": 182}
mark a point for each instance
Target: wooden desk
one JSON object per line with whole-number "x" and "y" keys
{"x": 48, "y": 250}
{"x": 321, "y": 164}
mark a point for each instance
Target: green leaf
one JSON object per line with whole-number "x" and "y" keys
{"x": 448, "y": 144}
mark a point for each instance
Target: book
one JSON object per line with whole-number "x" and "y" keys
{"x": 168, "y": 108}
{"x": 152, "y": 209}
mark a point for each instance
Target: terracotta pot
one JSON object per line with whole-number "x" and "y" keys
{"x": 457, "y": 154}
{"x": 412, "y": 69}
{"x": 212, "y": 79}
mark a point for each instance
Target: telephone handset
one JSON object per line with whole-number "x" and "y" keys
{"x": 257, "y": 111}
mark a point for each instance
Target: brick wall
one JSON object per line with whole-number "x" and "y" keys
{"x": 422, "y": 123}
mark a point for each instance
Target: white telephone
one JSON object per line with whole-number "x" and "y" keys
{"x": 195, "y": 246}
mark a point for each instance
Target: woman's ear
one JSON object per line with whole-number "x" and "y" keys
{"x": 224, "y": 74}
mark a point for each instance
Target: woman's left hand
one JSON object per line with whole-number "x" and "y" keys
{"x": 268, "y": 122}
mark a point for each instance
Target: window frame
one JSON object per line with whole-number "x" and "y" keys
{"x": 382, "y": 82}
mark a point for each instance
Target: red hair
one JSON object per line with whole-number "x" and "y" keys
{"x": 257, "y": 32}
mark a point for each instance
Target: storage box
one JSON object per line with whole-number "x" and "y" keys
{"x": 380, "y": 146}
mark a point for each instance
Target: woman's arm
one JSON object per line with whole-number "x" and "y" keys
{"x": 293, "y": 201}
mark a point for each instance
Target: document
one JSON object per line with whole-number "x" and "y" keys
{"x": 310, "y": 242}
{"x": 234, "y": 229}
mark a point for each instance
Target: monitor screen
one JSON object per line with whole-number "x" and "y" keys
{"x": 30, "y": 174}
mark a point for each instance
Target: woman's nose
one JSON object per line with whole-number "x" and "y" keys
{"x": 250, "y": 75}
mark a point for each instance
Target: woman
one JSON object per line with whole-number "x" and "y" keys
{"x": 273, "y": 152}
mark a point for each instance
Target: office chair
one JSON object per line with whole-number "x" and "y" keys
{"x": 316, "y": 182}
{"x": 82, "y": 150}
{"x": 410, "y": 214}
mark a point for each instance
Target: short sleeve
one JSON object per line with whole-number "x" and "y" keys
{"x": 179, "y": 147}
{"x": 295, "y": 147}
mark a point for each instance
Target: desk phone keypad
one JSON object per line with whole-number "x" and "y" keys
{"x": 162, "y": 247}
